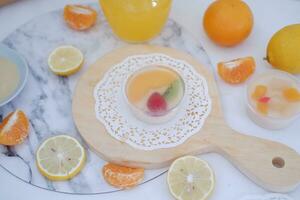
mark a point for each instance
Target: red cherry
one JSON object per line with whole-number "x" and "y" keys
{"x": 157, "y": 104}
{"x": 264, "y": 99}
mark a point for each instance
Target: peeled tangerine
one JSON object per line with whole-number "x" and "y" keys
{"x": 14, "y": 128}
{"x": 291, "y": 94}
{"x": 80, "y": 17}
{"x": 121, "y": 176}
{"x": 260, "y": 91}
{"x": 263, "y": 108}
{"x": 237, "y": 70}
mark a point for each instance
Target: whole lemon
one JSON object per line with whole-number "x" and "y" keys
{"x": 283, "y": 51}
{"x": 228, "y": 22}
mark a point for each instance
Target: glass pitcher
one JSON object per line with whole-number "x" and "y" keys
{"x": 136, "y": 20}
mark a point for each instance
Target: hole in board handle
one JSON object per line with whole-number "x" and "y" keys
{"x": 278, "y": 162}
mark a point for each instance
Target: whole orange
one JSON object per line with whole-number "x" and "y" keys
{"x": 228, "y": 22}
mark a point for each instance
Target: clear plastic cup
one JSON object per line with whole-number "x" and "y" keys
{"x": 169, "y": 90}
{"x": 281, "y": 113}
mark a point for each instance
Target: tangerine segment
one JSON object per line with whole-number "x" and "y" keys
{"x": 121, "y": 176}
{"x": 237, "y": 70}
{"x": 80, "y": 17}
{"x": 291, "y": 94}
{"x": 14, "y": 128}
{"x": 259, "y": 92}
{"x": 262, "y": 107}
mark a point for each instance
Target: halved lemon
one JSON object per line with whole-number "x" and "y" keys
{"x": 190, "y": 178}
{"x": 60, "y": 157}
{"x": 65, "y": 60}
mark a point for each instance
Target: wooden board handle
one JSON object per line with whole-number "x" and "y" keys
{"x": 272, "y": 165}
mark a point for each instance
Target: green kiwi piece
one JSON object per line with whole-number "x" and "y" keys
{"x": 173, "y": 90}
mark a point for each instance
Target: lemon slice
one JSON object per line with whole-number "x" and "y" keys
{"x": 65, "y": 60}
{"x": 190, "y": 178}
{"x": 60, "y": 158}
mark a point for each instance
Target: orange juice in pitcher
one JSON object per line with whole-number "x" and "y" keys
{"x": 136, "y": 20}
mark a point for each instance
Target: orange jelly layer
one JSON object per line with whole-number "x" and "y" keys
{"x": 149, "y": 79}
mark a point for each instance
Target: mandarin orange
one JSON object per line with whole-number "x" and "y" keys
{"x": 80, "y": 17}
{"x": 263, "y": 108}
{"x": 237, "y": 70}
{"x": 14, "y": 128}
{"x": 291, "y": 94}
{"x": 260, "y": 91}
{"x": 121, "y": 176}
{"x": 228, "y": 22}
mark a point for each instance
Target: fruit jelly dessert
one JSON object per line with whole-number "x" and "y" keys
{"x": 155, "y": 90}
{"x": 275, "y": 96}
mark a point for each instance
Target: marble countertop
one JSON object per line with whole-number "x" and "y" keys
{"x": 230, "y": 185}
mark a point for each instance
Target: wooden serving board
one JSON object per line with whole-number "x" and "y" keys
{"x": 272, "y": 165}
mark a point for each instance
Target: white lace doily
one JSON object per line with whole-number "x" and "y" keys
{"x": 120, "y": 123}
{"x": 272, "y": 196}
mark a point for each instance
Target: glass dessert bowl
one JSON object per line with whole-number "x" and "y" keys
{"x": 154, "y": 93}
{"x": 273, "y": 99}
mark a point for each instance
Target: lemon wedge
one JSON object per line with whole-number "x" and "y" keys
{"x": 190, "y": 178}
{"x": 65, "y": 60}
{"x": 60, "y": 158}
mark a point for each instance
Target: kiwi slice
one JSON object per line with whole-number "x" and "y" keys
{"x": 173, "y": 90}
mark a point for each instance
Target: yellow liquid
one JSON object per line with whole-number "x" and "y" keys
{"x": 136, "y": 20}
{"x": 9, "y": 78}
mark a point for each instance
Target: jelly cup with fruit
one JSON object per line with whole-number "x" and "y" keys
{"x": 273, "y": 99}
{"x": 154, "y": 93}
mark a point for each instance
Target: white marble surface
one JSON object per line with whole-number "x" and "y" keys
{"x": 270, "y": 15}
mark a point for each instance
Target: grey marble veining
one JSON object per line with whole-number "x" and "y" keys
{"x": 47, "y": 98}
